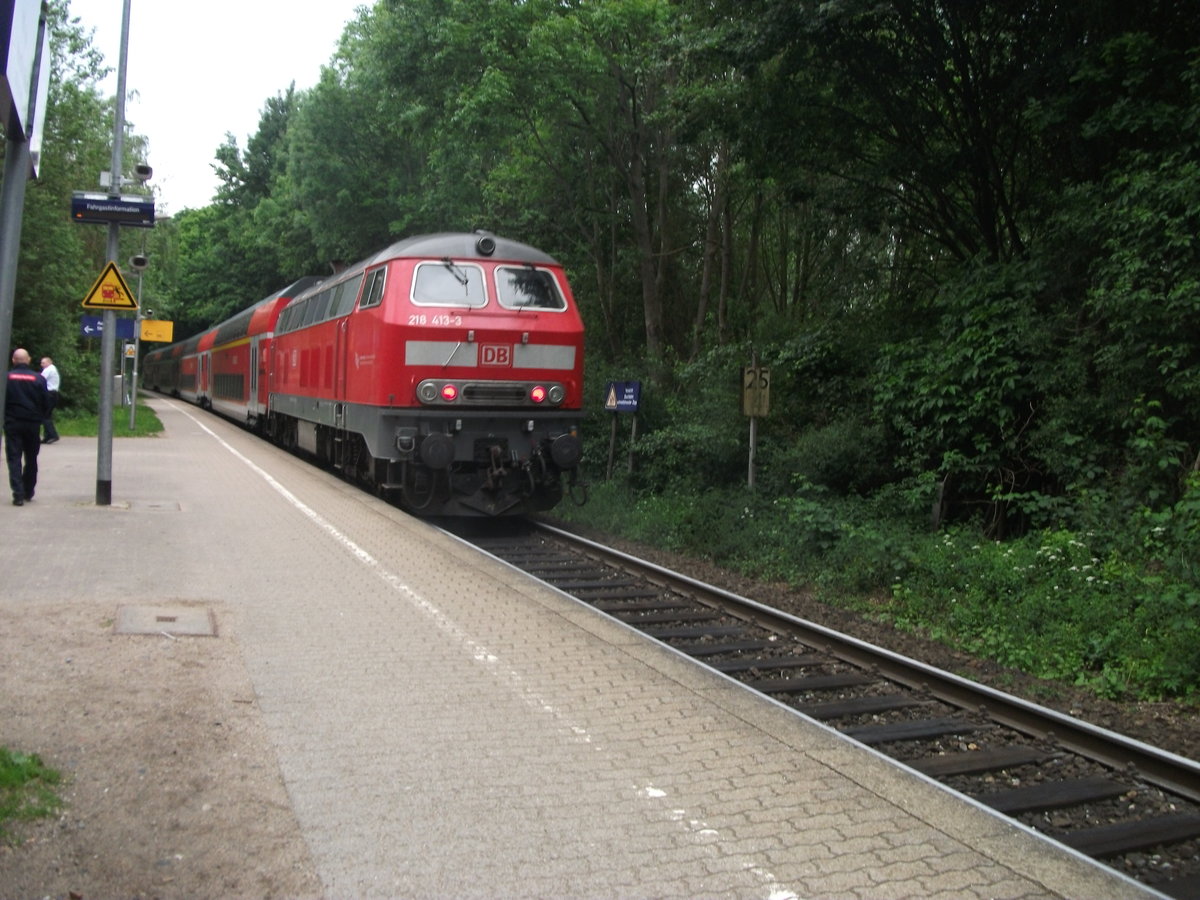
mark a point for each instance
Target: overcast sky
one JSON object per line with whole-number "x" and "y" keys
{"x": 197, "y": 70}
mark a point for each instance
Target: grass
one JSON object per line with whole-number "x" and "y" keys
{"x": 26, "y": 789}
{"x": 1118, "y": 617}
{"x": 87, "y": 424}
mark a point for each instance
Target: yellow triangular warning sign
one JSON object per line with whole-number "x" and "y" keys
{"x": 110, "y": 291}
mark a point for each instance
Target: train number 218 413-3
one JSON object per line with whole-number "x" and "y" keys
{"x": 436, "y": 319}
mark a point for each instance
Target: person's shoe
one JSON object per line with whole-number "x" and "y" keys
{"x": 17, "y": 501}
{"x": 50, "y": 440}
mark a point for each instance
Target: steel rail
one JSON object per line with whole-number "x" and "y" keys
{"x": 1167, "y": 770}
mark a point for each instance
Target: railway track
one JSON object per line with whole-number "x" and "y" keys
{"x": 1131, "y": 806}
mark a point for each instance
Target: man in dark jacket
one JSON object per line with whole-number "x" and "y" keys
{"x": 26, "y": 404}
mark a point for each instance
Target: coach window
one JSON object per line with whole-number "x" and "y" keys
{"x": 528, "y": 288}
{"x": 448, "y": 283}
{"x": 373, "y": 293}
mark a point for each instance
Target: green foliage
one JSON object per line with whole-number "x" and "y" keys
{"x": 728, "y": 526}
{"x": 690, "y": 432}
{"x": 87, "y": 424}
{"x": 845, "y": 455}
{"x": 26, "y": 788}
{"x": 960, "y": 396}
{"x": 1047, "y": 605}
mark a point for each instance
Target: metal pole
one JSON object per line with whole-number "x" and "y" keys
{"x": 612, "y": 447}
{"x": 753, "y": 425}
{"x": 753, "y": 447}
{"x": 632, "y": 442}
{"x": 108, "y": 339}
{"x": 137, "y": 344}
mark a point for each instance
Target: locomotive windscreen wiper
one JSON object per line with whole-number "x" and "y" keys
{"x": 459, "y": 275}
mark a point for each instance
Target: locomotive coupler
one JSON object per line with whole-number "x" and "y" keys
{"x": 406, "y": 442}
{"x": 496, "y": 469}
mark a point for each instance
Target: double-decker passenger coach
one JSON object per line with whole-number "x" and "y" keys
{"x": 224, "y": 367}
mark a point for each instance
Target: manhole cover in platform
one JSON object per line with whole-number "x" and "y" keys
{"x": 195, "y": 621}
{"x": 156, "y": 505}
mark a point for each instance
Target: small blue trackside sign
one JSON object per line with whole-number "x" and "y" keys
{"x": 622, "y": 396}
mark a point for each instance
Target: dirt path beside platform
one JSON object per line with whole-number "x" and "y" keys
{"x": 171, "y": 786}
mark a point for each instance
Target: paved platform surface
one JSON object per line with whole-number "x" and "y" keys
{"x": 445, "y": 728}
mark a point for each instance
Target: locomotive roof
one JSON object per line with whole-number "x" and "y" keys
{"x": 297, "y": 286}
{"x": 463, "y": 245}
{"x": 453, "y": 244}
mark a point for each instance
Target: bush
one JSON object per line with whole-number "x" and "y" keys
{"x": 847, "y": 456}
{"x": 1047, "y": 605}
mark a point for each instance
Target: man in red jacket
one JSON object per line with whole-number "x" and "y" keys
{"x": 26, "y": 405}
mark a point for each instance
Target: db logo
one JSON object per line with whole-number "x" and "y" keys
{"x": 496, "y": 354}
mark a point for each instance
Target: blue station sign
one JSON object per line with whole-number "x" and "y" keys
{"x": 93, "y": 326}
{"x": 108, "y": 209}
{"x": 622, "y": 396}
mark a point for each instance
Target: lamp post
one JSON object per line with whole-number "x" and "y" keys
{"x": 108, "y": 337}
{"x": 138, "y": 264}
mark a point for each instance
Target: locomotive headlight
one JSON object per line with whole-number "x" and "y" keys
{"x": 557, "y": 394}
{"x": 427, "y": 392}
{"x": 449, "y": 393}
{"x": 537, "y": 394}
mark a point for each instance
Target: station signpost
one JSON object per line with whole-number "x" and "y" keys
{"x": 622, "y": 397}
{"x": 110, "y": 293}
{"x": 756, "y": 403}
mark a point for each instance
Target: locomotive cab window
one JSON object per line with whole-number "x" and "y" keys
{"x": 528, "y": 288}
{"x": 448, "y": 283}
{"x": 347, "y": 293}
{"x": 373, "y": 292}
{"x": 310, "y": 310}
{"x": 322, "y": 305}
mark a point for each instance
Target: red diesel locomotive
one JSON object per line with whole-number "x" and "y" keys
{"x": 446, "y": 370}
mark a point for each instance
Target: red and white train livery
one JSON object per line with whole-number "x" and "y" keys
{"x": 446, "y": 369}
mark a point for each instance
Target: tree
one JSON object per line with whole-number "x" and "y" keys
{"x": 59, "y": 260}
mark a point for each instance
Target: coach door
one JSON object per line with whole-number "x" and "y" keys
{"x": 343, "y": 306}
{"x": 252, "y": 404}
{"x": 339, "y": 372}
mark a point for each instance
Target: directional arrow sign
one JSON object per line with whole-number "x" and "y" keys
{"x": 93, "y": 327}
{"x": 155, "y": 330}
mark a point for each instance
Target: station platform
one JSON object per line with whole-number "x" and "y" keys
{"x": 260, "y": 681}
